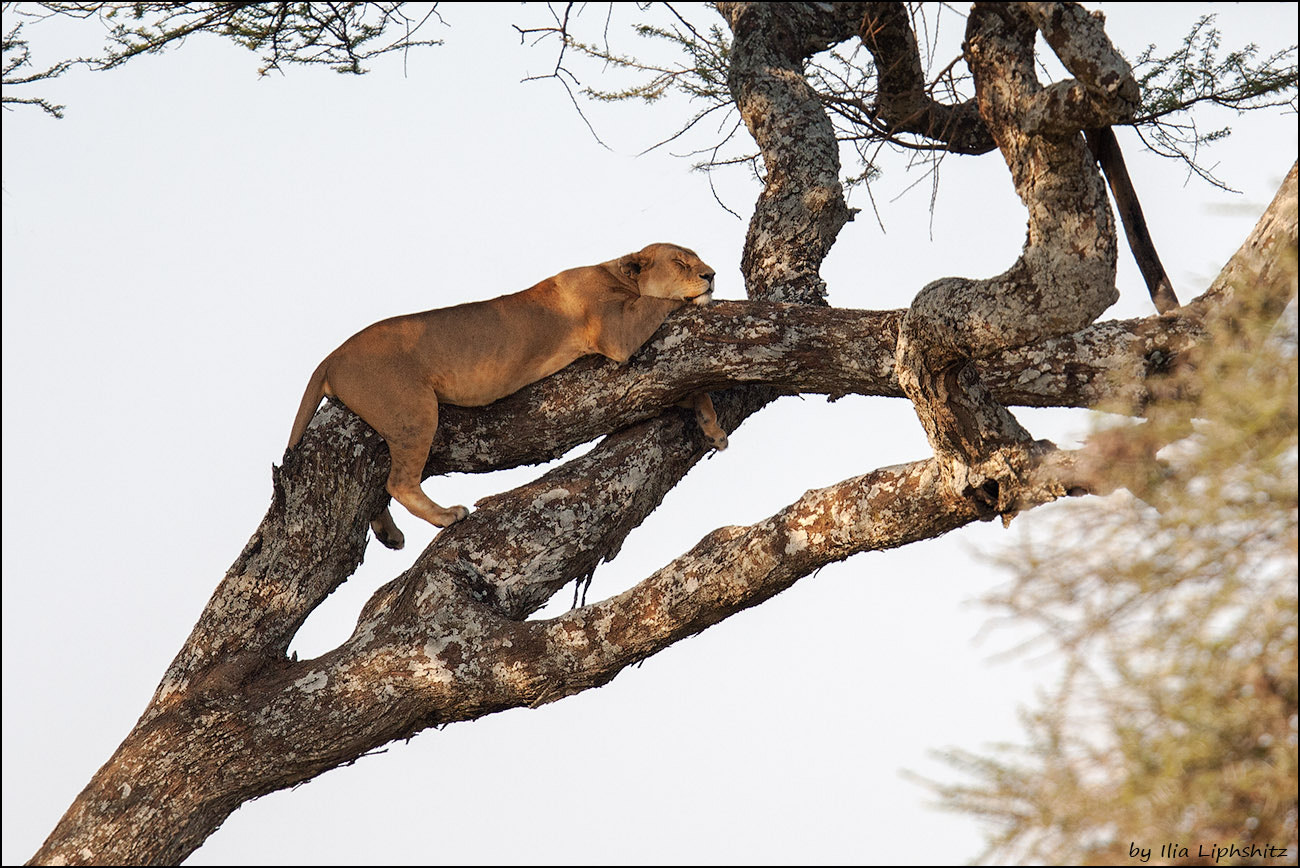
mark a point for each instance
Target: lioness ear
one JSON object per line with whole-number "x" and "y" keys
{"x": 631, "y": 265}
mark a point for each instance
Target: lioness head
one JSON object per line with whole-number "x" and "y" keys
{"x": 669, "y": 271}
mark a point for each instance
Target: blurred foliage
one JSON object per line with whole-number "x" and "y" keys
{"x": 1175, "y": 616}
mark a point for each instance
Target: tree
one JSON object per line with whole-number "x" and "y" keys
{"x": 235, "y": 658}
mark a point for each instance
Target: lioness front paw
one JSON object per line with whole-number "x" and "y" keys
{"x": 713, "y": 433}
{"x": 452, "y": 515}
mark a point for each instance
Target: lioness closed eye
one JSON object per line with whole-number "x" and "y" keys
{"x": 394, "y": 373}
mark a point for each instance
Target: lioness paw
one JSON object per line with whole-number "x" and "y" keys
{"x": 455, "y": 514}
{"x": 386, "y": 531}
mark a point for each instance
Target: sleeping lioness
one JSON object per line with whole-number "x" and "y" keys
{"x": 394, "y": 373}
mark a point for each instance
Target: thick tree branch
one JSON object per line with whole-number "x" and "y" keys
{"x": 801, "y": 209}
{"x": 1258, "y": 275}
{"x": 424, "y": 654}
{"x": 792, "y": 348}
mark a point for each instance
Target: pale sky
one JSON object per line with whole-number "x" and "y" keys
{"x": 186, "y": 245}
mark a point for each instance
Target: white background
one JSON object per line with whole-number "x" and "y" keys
{"x": 185, "y": 246}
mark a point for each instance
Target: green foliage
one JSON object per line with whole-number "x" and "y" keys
{"x": 1176, "y": 617}
{"x": 341, "y": 36}
{"x": 702, "y": 75}
{"x": 696, "y": 66}
{"x": 676, "y": 56}
{"x": 338, "y": 35}
{"x": 1199, "y": 72}
{"x": 1195, "y": 72}
{"x": 17, "y": 60}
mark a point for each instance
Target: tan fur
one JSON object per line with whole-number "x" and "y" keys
{"x": 394, "y": 373}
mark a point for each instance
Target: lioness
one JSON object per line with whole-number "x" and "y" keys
{"x": 394, "y": 373}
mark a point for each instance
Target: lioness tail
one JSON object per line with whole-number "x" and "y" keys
{"x": 310, "y": 401}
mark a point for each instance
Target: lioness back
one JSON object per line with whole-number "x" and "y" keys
{"x": 470, "y": 354}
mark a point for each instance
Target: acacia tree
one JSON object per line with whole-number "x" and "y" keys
{"x": 235, "y": 717}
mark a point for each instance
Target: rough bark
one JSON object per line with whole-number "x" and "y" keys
{"x": 234, "y": 718}
{"x": 801, "y": 209}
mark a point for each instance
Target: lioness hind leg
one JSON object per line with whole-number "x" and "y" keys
{"x": 387, "y": 531}
{"x": 707, "y": 418}
{"x": 404, "y": 485}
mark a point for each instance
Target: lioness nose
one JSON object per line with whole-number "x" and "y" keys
{"x": 708, "y": 275}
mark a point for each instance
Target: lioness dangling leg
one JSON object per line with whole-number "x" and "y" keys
{"x": 387, "y": 531}
{"x": 707, "y": 418}
{"x": 408, "y": 447}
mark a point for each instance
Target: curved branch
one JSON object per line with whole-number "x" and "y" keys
{"x": 904, "y": 102}
{"x": 1065, "y": 277}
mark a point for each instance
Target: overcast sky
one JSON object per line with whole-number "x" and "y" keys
{"x": 186, "y": 245}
